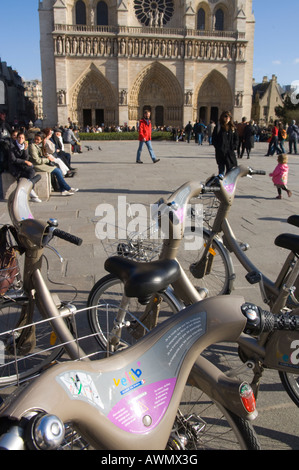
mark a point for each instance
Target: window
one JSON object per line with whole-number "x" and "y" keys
{"x": 201, "y": 19}
{"x": 102, "y": 14}
{"x": 80, "y": 12}
{"x": 154, "y": 12}
{"x": 219, "y": 20}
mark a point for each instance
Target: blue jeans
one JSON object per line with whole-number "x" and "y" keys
{"x": 60, "y": 179}
{"x": 148, "y": 143}
{"x": 291, "y": 144}
{"x": 200, "y": 139}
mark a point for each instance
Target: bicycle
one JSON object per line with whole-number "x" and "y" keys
{"x": 140, "y": 398}
{"x": 28, "y": 345}
{"x": 118, "y": 330}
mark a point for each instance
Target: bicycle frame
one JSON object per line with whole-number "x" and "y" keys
{"x": 183, "y": 288}
{"x": 274, "y": 293}
{"x": 94, "y": 395}
{"x": 32, "y": 235}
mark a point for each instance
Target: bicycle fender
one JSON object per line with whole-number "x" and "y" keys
{"x": 222, "y": 389}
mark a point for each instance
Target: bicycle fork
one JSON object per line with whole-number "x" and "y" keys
{"x": 137, "y": 327}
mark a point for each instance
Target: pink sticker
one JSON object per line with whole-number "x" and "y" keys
{"x": 142, "y": 410}
{"x": 229, "y": 188}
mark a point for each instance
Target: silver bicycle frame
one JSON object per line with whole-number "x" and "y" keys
{"x": 31, "y": 233}
{"x": 93, "y": 395}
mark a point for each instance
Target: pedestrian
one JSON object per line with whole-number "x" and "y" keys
{"x": 273, "y": 144}
{"x": 240, "y": 131}
{"x": 201, "y": 130}
{"x": 196, "y": 130}
{"x": 145, "y": 137}
{"x": 225, "y": 141}
{"x": 19, "y": 164}
{"x": 188, "y": 131}
{"x": 280, "y": 175}
{"x": 210, "y": 129}
{"x": 282, "y": 135}
{"x": 248, "y": 139}
{"x": 293, "y": 133}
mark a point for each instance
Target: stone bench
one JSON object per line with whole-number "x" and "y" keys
{"x": 42, "y": 187}
{"x": 68, "y": 148}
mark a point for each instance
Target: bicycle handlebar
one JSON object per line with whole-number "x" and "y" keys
{"x": 67, "y": 237}
{"x": 257, "y": 172}
{"x": 261, "y": 321}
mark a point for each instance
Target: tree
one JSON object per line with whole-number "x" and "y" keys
{"x": 288, "y": 112}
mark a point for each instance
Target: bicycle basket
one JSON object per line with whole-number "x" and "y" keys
{"x": 9, "y": 267}
{"x": 210, "y": 205}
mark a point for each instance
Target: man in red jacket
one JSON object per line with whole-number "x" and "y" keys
{"x": 145, "y": 136}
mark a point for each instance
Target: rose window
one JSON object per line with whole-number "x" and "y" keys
{"x": 153, "y": 12}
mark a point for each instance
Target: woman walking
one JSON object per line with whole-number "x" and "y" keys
{"x": 225, "y": 141}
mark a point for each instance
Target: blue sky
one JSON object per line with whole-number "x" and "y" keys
{"x": 276, "y": 38}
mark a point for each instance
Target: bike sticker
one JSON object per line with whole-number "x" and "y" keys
{"x": 290, "y": 359}
{"x": 81, "y": 385}
{"x": 229, "y": 188}
{"x": 135, "y": 397}
{"x": 143, "y": 410}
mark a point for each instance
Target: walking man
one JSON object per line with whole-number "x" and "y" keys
{"x": 145, "y": 137}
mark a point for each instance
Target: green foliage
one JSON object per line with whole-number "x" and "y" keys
{"x": 288, "y": 112}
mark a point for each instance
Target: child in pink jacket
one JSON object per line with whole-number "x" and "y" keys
{"x": 280, "y": 175}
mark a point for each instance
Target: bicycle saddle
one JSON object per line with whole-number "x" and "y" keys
{"x": 141, "y": 280}
{"x": 294, "y": 220}
{"x": 288, "y": 241}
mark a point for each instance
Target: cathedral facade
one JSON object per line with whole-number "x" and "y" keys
{"x": 104, "y": 61}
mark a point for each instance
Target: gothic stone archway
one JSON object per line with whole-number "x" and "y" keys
{"x": 93, "y": 100}
{"x": 214, "y": 95}
{"x": 157, "y": 88}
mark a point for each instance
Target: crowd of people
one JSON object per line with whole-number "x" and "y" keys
{"x": 24, "y": 152}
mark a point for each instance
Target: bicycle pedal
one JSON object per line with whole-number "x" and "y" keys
{"x": 253, "y": 277}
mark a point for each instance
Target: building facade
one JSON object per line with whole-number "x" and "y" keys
{"x": 266, "y": 97}
{"x": 34, "y": 94}
{"x": 12, "y": 98}
{"x": 105, "y": 61}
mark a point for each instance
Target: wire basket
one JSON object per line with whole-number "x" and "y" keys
{"x": 33, "y": 346}
{"x": 20, "y": 361}
{"x": 143, "y": 245}
{"x": 210, "y": 205}
{"x": 136, "y": 246}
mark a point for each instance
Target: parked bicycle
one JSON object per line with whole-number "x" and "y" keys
{"x": 118, "y": 329}
{"x": 154, "y": 395}
{"x": 28, "y": 345}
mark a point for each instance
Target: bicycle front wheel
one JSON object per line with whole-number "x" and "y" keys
{"x": 105, "y": 299}
{"x": 20, "y": 362}
{"x": 291, "y": 385}
{"x": 203, "y": 424}
{"x": 217, "y": 275}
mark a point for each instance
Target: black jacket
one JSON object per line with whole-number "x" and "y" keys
{"x": 16, "y": 162}
{"x": 225, "y": 144}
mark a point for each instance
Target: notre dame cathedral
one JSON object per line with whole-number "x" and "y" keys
{"x": 104, "y": 61}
